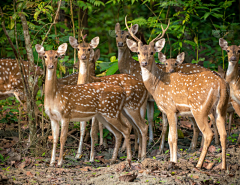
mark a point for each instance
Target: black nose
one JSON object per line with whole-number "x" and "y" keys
{"x": 144, "y": 63}
{"x": 120, "y": 44}
{"x": 171, "y": 70}
{"x": 233, "y": 58}
{"x": 83, "y": 57}
{"x": 50, "y": 66}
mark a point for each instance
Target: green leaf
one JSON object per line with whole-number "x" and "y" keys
{"x": 112, "y": 69}
{"x": 15, "y": 16}
{"x": 206, "y": 15}
{"x": 36, "y": 14}
{"x": 113, "y": 59}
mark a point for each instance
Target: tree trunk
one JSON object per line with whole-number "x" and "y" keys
{"x": 31, "y": 81}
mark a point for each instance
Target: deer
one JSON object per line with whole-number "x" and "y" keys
{"x": 176, "y": 65}
{"x": 232, "y": 75}
{"x": 64, "y": 103}
{"x": 127, "y": 65}
{"x": 11, "y": 82}
{"x": 91, "y": 72}
{"x": 136, "y": 93}
{"x": 177, "y": 94}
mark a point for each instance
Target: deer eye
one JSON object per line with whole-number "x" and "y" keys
{"x": 175, "y": 64}
{"x": 138, "y": 53}
{"x": 228, "y": 51}
{"x": 116, "y": 36}
{"x": 56, "y": 56}
{"x": 88, "y": 49}
{"x": 45, "y": 56}
{"x": 166, "y": 64}
{"x": 127, "y": 36}
{"x": 151, "y": 53}
{"x": 238, "y": 51}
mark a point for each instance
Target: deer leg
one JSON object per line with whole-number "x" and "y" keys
{"x": 63, "y": 138}
{"x": 164, "y": 131}
{"x": 217, "y": 142}
{"x": 101, "y": 133}
{"x": 172, "y": 136}
{"x": 116, "y": 133}
{"x": 202, "y": 122}
{"x": 230, "y": 122}
{"x": 223, "y": 136}
{"x": 55, "y": 134}
{"x": 130, "y": 126}
{"x": 139, "y": 124}
{"x": 237, "y": 110}
{"x": 82, "y": 133}
{"x": 150, "y": 112}
{"x": 196, "y": 131}
{"x": 93, "y": 134}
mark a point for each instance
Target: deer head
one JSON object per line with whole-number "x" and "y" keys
{"x": 172, "y": 63}
{"x": 233, "y": 51}
{"x": 146, "y": 52}
{"x": 51, "y": 57}
{"x": 85, "y": 50}
{"x": 122, "y": 35}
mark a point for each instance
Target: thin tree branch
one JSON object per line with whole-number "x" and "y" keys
{"x": 54, "y": 21}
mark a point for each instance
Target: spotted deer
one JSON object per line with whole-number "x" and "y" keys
{"x": 136, "y": 94}
{"x": 127, "y": 65}
{"x": 176, "y": 94}
{"x": 11, "y": 81}
{"x": 64, "y": 103}
{"x": 176, "y": 65}
{"x": 232, "y": 75}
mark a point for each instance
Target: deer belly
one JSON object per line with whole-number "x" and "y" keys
{"x": 183, "y": 108}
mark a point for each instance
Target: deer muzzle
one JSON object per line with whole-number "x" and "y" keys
{"x": 171, "y": 70}
{"x": 50, "y": 66}
{"x": 144, "y": 63}
{"x": 83, "y": 57}
{"x": 233, "y": 58}
{"x": 120, "y": 44}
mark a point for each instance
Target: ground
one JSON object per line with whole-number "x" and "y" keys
{"x": 32, "y": 167}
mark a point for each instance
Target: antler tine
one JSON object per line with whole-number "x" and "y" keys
{"x": 161, "y": 34}
{"x": 133, "y": 36}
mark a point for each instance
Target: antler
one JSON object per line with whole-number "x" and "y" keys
{"x": 131, "y": 33}
{"x": 162, "y": 34}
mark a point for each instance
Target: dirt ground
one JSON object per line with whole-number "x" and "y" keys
{"x": 155, "y": 169}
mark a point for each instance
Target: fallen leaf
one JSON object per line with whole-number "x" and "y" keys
{"x": 28, "y": 173}
{"x": 209, "y": 166}
{"x": 212, "y": 149}
{"x": 128, "y": 177}
{"x": 22, "y": 165}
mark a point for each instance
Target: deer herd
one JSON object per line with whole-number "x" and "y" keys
{"x": 119, "y": 101}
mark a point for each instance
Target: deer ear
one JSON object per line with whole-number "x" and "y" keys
{"x": 180, "y": 58}
{"x": 73, "y": 42}
{"x": 161, "y": 57}
{"x": 40, "y": 50}
{"x": 223, "y": 44}
{"x": 132, "y": 45}
{"x": 134, "y": 29}
{"x": 62, "y": 49}
{"x": 159, "y": 45}
{"x": 117, "y": 27}
{"x": 94, "y": 42}
{"x": 96, "y": 54}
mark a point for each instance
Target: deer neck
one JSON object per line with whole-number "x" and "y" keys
{"x": 83, "y": 72}
{"x": 151, "y": 77}
{"x": 124, "y": 58}
{"x": 232, "y": 73}
{"x": 50, "y": 85}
